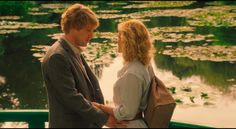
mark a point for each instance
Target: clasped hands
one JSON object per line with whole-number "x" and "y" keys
{"x": 112, "y": 122}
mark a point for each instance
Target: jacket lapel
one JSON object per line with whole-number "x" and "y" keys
{"x": 78, "y": 61}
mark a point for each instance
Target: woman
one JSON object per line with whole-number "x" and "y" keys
{"x": 131, "y": 88}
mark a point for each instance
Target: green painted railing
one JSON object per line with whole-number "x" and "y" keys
{"x": 37, "y": 118}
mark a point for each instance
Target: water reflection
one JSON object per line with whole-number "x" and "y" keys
{"x": 97, "y": 69}
{"x": 23, "y": 71}
{"x": 24, "y": 80}
{"x": 216, "y": 74}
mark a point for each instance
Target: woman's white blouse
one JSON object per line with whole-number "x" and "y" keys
{"x": 130, "y": 91}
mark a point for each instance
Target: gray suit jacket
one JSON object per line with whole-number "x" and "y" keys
{"x": 70, "y": 90}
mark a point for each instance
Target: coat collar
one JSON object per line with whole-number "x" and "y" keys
{"x": 66, "y": 46}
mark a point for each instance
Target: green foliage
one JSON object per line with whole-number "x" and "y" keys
{"x": 172, "y": 90}
{"x": 187, "y": 89}
{"x": 192, "y": 99}
{"x": 15, "y": 7}
{"x": 113, "y": 55}
{"x": 204, "y": 95}
{"x": 179, "y": 101}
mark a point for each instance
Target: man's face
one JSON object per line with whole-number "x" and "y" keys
{"x": 83, "y": 36}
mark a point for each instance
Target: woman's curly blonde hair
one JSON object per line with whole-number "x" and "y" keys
{"x": 134, "y": 42}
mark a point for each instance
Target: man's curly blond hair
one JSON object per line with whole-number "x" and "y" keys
{"x": 135, "y": 42}
{"x": 78, "y": 16}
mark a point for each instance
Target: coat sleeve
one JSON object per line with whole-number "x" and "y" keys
{"x": 62, "y": 80}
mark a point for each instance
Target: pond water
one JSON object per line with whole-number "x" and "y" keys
{"x": 205, "y": 90}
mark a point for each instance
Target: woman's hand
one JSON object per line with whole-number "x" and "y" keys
{"x": 104, "y": 108}
{"x": 112, "y": 122}
{"x": 97, "y": 105}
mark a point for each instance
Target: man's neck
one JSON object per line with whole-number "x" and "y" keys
{"x": 69, "y": 39}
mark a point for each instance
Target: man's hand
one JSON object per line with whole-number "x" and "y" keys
{"x": 113, "y": 123}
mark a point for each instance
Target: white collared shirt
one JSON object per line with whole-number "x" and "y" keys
{"x": 77, "y": 52}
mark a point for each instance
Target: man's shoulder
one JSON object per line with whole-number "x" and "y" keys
{"x": 55, "y": 49}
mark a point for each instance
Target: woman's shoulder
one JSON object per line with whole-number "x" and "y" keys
{"x": 138, "y": 69}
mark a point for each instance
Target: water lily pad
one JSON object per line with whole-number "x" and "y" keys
{"x": 54, "y": 6}
{"x": 166, "y": 12}
{"x": 212, "y": 53}
{"x": 108, "y": 11}
{"x": 116, "y": 3}
{"x": 10, "y": 17}
{"x": 97, "y": 54}
{"x": 39, "y": 51}
{"x": 58, "y": 10}
{"x": 107, "y": 35}
{"x": 207, "y": 16}
{"x": 56, "y": 36}
{"x": 101, "y": 50}
{"x": 178, "y": 37}
{"x": 58, "y": 5}
{"x": 162, "y": 4}
{"x": 178, "y": 34}
{"x": 27, "y": 25}
{"x": 111, "y": 16}
{"x": 214, "y": 16}
{"x": 38, "y": 13}
{"x": 174, "y": 29}
{"x": 2, "y": 32}
{"x": 34, "y": 9}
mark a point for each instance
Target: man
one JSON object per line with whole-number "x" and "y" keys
{"x": 71, "y": 85}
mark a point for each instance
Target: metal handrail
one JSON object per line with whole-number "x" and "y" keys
{"x": 37, "y": 119}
